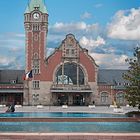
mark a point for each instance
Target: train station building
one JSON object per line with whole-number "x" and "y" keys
{"x": 68, "y": 76}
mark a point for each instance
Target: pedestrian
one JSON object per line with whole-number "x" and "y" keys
{"x": 11, "y": 108}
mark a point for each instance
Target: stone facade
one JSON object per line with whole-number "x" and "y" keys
{"x": 68, "y": 76}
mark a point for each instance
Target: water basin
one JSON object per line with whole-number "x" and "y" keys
{"x": 91, "y": 127}
{"x": 61, "y": 114}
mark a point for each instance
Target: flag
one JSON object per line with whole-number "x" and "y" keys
{"x": 28, "y": 75}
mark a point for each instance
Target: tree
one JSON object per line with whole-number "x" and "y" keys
{"x": 133, "y": 77}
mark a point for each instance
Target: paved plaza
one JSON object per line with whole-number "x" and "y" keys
{"x": 97, "y": 109}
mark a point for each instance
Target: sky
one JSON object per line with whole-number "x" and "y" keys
{"x": 109, "y": 29}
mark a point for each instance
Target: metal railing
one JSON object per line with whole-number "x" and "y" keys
{"x": 70, "y": 87}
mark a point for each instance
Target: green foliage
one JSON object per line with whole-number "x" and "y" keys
{"x": 133, "y": 76}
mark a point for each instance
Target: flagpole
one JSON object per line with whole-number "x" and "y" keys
{"x": 27, "y": 78}
{"x": 28, "y": 93}
{"x": 32, "y": 88}
{"x": 33, "y": 93}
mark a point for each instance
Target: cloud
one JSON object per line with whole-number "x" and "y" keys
{"x": 73, "y": 27}
{"x": 6, "y": 62}
{"x": 11, "y": 62}
{"x": 86, "y": 15}
{"x": 12, "y": 40}
{"x": 12, "y": 35}
{"x": 98, "y": 5}
{"x": 110, "y": 61}
{"x": 125, "y": 25}
{"x": 69, "y": 26}
{"x": 12, "y": 50}
{"x": 85, "y": 42}
{"x": 20, "y": 35}
{"x": 50, "y": 51}
{"x": 59, "y": 30}
{"x": 56, "y": 38}
{"x": 15, "y": 49}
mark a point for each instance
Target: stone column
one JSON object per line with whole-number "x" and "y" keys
{"x": 70, "y": 99}
{"x": 77, "y": 75}
{"x": 63, "y": 73}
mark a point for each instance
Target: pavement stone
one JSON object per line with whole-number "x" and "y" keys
{"x": 97, "y": 109}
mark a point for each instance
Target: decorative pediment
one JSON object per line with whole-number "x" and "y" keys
{"x": 70, "y": 47}
{"x": 70, "y": 40}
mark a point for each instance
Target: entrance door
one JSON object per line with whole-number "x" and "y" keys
{"x": 78, "y": 99}
{"x": 62, "y": 99}
{"x": 18, "y": 99}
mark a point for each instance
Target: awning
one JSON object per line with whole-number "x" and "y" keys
{"x": 11, "y": 91}
{"x": 71, "y": 91}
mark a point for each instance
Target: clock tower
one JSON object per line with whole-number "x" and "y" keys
{"x": 36, "y": 29}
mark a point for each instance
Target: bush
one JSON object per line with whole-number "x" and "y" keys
{"x": 133, "y": 114}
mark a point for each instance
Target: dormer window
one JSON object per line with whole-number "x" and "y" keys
{"x": 119, "y": 84}
{"x": 36, "y": 7}
{"x": 126, "y": 84}
{"x": 67, "y": 51}
{"x": 72, "y": 52}
{"x": 13, "y": 81}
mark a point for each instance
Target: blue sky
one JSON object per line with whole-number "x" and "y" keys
{"x": 109, "y": 29}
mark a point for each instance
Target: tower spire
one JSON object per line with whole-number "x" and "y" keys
{"x": 36, "y": 3}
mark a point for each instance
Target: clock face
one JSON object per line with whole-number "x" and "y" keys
{"x": 36, "y": 15}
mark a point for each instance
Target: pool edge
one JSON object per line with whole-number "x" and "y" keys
{"x": 70, "y": 119}
{"x": 70, "y": 136}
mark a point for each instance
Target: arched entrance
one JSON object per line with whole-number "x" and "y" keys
{"x": 62, "y": 99}
{"x": 70, "y": 86}
{"x": 78, "y": 99}
{"x": 71, "y": 98}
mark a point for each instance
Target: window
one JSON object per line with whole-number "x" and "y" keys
{"x": 3, "y": 98}
{"x": 36, "y": 64}
{"x": 13, "y": 82}
{"x": 126, "y": 84}
{"x": 36, "y": 27}
{"x": 119, "y": 84}
{"x": 70, "y": 51}
{"x": 35, "y": 37}
{"x": 67, "y": 51}
{"x": 64, "y": 79}
{"x": 35, "y": 84}
{"x": 104, "y": 97}
{"x": 70, "y": 75}
{"x": 120, "y": 98}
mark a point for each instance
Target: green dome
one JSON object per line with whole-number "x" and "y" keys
{"x": 36, "y": 3}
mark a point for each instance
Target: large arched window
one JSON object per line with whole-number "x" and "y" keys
{"x": 71, "y": 74}
{"x": 120, "y": 97}
{"x": 104, "y": 97}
